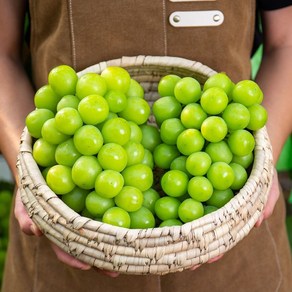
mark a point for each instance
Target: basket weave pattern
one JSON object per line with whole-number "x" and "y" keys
{"x": 147, "y": 251}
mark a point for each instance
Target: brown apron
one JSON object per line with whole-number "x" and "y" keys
{"x": 82, "y": 33}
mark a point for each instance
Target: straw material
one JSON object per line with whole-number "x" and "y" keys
{"x": 147, "y": 251}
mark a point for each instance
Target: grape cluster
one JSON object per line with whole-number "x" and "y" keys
{"x": 98, "y": 152}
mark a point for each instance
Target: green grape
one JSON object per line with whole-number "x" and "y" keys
{"x": 220, "y": 197}
{"x": 190, "y": 210}
{"x": 258, "y": 117}
{"x": 148, "y": 158}
{"x": 221, "y": 175}
{"x": 220, "y": 80}
{"x": 193, "y": 115}
{"x": 198, "y": 163}
{"x": 109, "y": 183}
{"x": 136, "y": 132}
{"x": 167, "y": 208}
{"x": 116, "y": 100}
{"x": 247, "y": 92}
{"x": 116, "y": 78}
{"x": 135, "y": 89}
{"x": 63, "y": 80}
{"x": 112, "y": 156}
{"x": 241, "y": 142}
{"x": 170, "y": 129}
{"x": 129, "y": 199}
{"x": 88, "y": 140}
{"x": 166, "y": 107}
{"x": 90, "y": 83}
{"x": 150, "y": 137}
{"x": 116, "y": 130}
{"x": 214, "y": 129}
{"x": 35, "y": 119}
{"x": 51, "y": 133}
{"x": 236, "y": 116}
{"x": 68, "y": 120}
{"x": 240, "y": 176}
{"x": 174, "y": 183}
{"x": 164, "y": 154}
{"x": 187, "y": 90}
{"x": 166, "y": 84}
{"x": 142, "y": 219}
{"x": 209, "y": 209}
{"x": 118, "y": 217}
{"x": 75, "y": 199}
{"x": 137, "y": 110}
{"x": 135, "y": 152}
{"x": 97, "y": 205}
{"x": 68, "y": 101}
{"x": 200, "y": 188}
{"x": 93, "y": 109}
{"x": 85, "y": 170}
{"x": 214, "y": 100}
{"x": 59, "y": 179}
{"x": 179, "y": 163}
{"x": 139, "y": 176}
{"x": 244, "y": 161}
{"x": 189, "y": 141}
{"x": 46, "y": 98}
{"x": 170, "y": 222}
{"x": 219, "y": 151}
{"x": 66, "y": 153}
{"x": 43, "y": 153}
{"x": 150, "y": 198}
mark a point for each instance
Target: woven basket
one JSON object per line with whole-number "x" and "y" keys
{"x": 147, "y": 251}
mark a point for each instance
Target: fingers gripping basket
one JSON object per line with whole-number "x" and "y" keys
{"x": 147, "y": 251}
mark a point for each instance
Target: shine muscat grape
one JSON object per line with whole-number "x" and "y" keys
{"x": 100, "y": 155}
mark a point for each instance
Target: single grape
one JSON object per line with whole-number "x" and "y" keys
{"x": 221, "y": 175}
{"x": 150, "y": 137}
{"x": 139, "y": 176}
{"x": 66, "y": 153}
{"x": 214, "y": 100}
{"x": 214, "y": 129}
{"x": 59, "y": 179}
{"x": 170, "y": 129}
{"x": 219, "y": 151}
{"x": 135, "y": 89}
{"x": 63, "y": 80}
{"x": 142, "y": 219}
{"x": 135, "y": 152}
{"x": 116, "y": 100}
{"x": 187, "y": 90}
{"x": 46, "y": 98}
{"x": 118, "y": 217}
{"x": 189, "y": 141}
{"x": 85, "y": 171}
{"x": 43, "y": 153}
{"x": 170, "y": 222}
{"x": 51, "y": 133}
{"x": 93, "y": 109}
{"x": 236, "y": 116}
{"x": 68, "y": 101}
{"x": 35, "y": 119}
{"x": 136, "y": 132}
{"x": 175, "y": 183}
{"x": 200, "y": 188}
{"x": 129, "y": 198}
{"x": 241, "y": 142}
{"x": 97, "y": 205}
{"x": 193, "y": 115}
{"x": 116, "y": 130}
{"x": 112, "y": 156}
{"x": 75, "y": 199}
{"x": 164, "y": 154}
{"x": 167, "y": 83}
{"x": 198, "y": 163}
{"x": 150, "y": 198}
{"x": 220, "y": 197}
{"x": 88, "y": 140}
{"x": 258, "y": 117}
{"x": 109, "y": 183}
{"x": 190, "y": 210}
{"x": 240, "y": 176}
{"x": 68, "y": 120}
{"x": 167, "y": 208}
{"x": 90, "y": 83}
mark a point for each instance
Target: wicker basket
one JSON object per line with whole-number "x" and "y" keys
{"x": 147, "y": 251}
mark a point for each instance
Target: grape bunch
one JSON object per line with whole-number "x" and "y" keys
{"x": 99, "y": 153}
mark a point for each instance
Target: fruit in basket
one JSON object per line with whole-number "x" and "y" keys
{"x": 104, "y": 158}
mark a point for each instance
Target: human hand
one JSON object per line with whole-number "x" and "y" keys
{"x": 215, "y": 259}
{"x": 272, "y": 200}
{"x": 30, "y": 228}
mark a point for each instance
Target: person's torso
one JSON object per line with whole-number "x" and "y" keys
{"x": 82, "y": 33}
